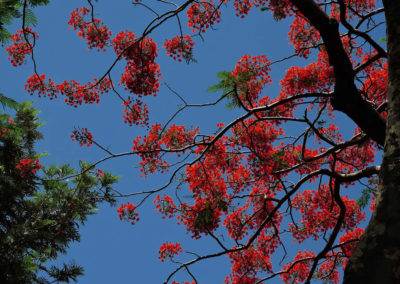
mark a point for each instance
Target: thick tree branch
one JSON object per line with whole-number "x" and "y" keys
{"x": 346, "y": 97}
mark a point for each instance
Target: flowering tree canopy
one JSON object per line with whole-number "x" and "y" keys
{"x": 254, "y": 181}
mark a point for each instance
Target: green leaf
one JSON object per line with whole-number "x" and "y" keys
{"x": 366, "y": 194}
{"x": 30, "y": 18}
{"x": 9, "y": 102}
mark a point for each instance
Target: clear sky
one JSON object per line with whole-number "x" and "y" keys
{"x": 112, "y": 251}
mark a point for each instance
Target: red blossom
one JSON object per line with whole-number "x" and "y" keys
{"x": 142, "y": 80}
{"x": 96, "y": 33}
{"x": 179, "y": 47}
{"x": 82, "y": 136}
{"x": 28, "y": 167}
{"x": 135, "y": 113}
{"x": 303, "y": 36}
{"x": 75, "y": 93}
{"x": 19, "y": 47}
{"x": 300, "y": 268}
{"x": 128, "y": 212}
{"x": 165, "y": 205}
{"x": 202, "y": 15}
{"x": 252, "y": 74}
{"x": 168, "y": 250}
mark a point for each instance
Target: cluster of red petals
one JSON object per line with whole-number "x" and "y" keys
{"x": 165, "y": 205}
{"x": 201, "y": 218}
{"x": 82, "y": 136}
{"x": 126, "y": 43}
{"x": 174, "y": 138}
{"x": 328, "y": 269}
{"x": 242, "y": 7}
{"x": 28, "y": 167}
{"x": 177, "y": 137}
{"x": 141, "y": 79}
{"x": 252, "y": 74}
{"x": 142, "y": 73}
{"x": 375, "y": 86}
{"x": 237, "y": 223}
{"x": 96, "y": 33}
{"x": 168, "y": 250}
{"x": 19, "y": 48}
{"x": 316, "y": 77}
{"x": 148, "y": 149}
{"x": 135, "y": 112}
{"x": 299, "y": 269}
{"x": 202, "y": 15}
{"x": 356, "y": 8}
{"x": 5, "y": 131}
{"x": 179, "y": 47}
{"x": 99, "y": 174}
{"x": 75, "y": 93}
{"x": 280, "y": 8}
{"x": 349, "y": 241}
{"x": 303, "y": 36}
{"x": 128, "y": 212}
{"x": 246, "y": 264}
{"x": 320, "y": 212}
{"x": 257, "y": 258}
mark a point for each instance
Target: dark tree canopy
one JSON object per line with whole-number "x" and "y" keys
{"x": 40, "y": 214}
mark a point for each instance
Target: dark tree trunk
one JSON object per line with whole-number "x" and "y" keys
{"x": 377, "y": 256}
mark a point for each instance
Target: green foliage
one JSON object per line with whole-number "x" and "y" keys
{"x": 11, "y": 9}
{"x": 40, "y": 215}
{"x": 278, "y": 158}
{"x": 8, "y": 102}
{"x": 366, "y": 195}
{"x": 229, "y": 86}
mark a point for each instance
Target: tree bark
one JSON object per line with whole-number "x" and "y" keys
{"x": 377, "y": 256}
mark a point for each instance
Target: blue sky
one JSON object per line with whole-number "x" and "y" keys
{"x": 112, "y": 251}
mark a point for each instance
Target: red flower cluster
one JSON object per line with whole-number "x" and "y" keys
{"x": 300, "y": 269}
{"x": 135, "y": 113}
{"x": 128, "y": 212}
{"x": 202, "y": 15}
{"x": 99, "y": 174}
{"x": 149, "y": 150}
{"x": 303, "y": 36}
{"x": 179, "y": 47}
{"x": 96, "y": 33}
{"x": 142, "y": 74}
{"x": 202, "y": 217}
{"x": 251, "y": 73}
{"x": 19, "y": 48}
{"x": 320, "y": 212}
{"x": 257, "y": 258}
{"x": 243, "y": 7}
{"x": 349, "y": 241}
{"x": 5, "y": 131}
{"x": 169, "y": 250}
{"x": 165, "y": 205}
{"x": 75, "y": 93}
{"x": 356, "y": 8}
{"x": 141, "y": 79}
{"x": 82, "y": 136}
{"x": 174, "y": 138}
{"x": 28, "y": 167}
{"x": 316, "y": 77}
